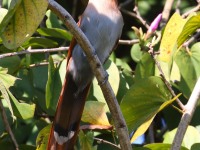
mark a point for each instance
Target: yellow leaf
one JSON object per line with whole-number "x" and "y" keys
{"x": 24, "y": 22}
{"x": 94, "y": 113}
{"x": 170, "y": 36}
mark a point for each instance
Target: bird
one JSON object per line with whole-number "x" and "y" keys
{"x": 102, "y": 24}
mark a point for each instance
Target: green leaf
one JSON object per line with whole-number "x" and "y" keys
{"x": 189, "y": 28}
{"x": 145, "y": 67}
{"x": 94, "y": 113}
{"x": 22, "y": 110}
{"x": 26, "y": 147}
{"x": 136, "y": 52}
{"x": 53, "y": 21}
{"x": 50, "y": 83}
{"x": 6, "y": 96}
{"x": 191, "y": 137}
{"x": 11, "y": 63}
{"x": 55, "y": 32}
{"x": 42, "y": 138}
{"x": 195, "y": 146}
{"x": 86, "y": 140}
{"x": 7, "y": 79}
{"x": 23, "y": 23}
{"x": 113, "y": 78}
{"x": 188, "y": 64}
{"x": 35, "y": 42}
{"x": 161, "y": 146}
{"x": 143, "y": 100}
{"x": 54, "y": 84}
{"x": 143, "y": 128}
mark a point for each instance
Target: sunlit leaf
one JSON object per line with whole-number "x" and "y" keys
{"x": 42, "y": 138}
{"x": 13, "y": 7}
{"x": 170, "y": 36}
{"x": 22, "y": 110}
{"x": 23, "y": 23}
{"x": 3, "y": 12}
{"x": 143, "y": 128}
{"x": 191, "y": 137}
{"x": 94, "y": 113}
{"x": 143, "y": 100}
{"x": 189, "y": 28}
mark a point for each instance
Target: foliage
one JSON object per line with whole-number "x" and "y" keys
{"x": 30, "y": 90}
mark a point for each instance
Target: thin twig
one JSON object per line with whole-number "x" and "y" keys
{"x": 165, "y": 80}
{"x": 178, "y": 3}
{"x": 7, "y": 126}
{"x": 135, "y": 16}
{"x": 129, "y": 42}
{"x": 107, "y": 142}
{"x": 192, "y": 39}
{"x": 195, "y": 9}
{"x": 187, "y": 116}
{"x": 166, "y": 11}
{"x": 98, "y": 71}
{"x": 31, "y": 51}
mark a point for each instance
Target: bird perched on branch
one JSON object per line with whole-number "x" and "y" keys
{"x": 102, "y": 24}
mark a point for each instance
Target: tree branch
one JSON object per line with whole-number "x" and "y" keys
{"x": 98, "y": 71}
{"x": 129, "y": 42}
{"x": 32, "y": 51}
{"x": 165, "y": 80}
{"x": 107, "y": 142}
{"x": 166, "y": 11}
{"x": 7, "y": 126}
{"x": 187, "y": 116}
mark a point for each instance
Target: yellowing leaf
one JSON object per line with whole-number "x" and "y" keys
{"x": 143, "y": 128}
{"x": 24, "y": 22}
{"x": 94, "y": 113}
{"x": 170, "y": 36}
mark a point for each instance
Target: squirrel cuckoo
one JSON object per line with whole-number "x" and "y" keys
{"x": 102, "y": 24}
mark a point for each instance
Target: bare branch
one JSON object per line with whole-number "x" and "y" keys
{"x": 98, "y": 71}
{"x": 7, "y": 126}
{"x": 195, "y": 9}
{"x": 187, "y": 116}
{"x": 107, "y": 142}
{"x": 32, "y": 51}
{"x": 166, "y": 11}
{"x": 129, "y": 42}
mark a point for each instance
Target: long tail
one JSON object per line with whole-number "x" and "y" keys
{"x": 68, "y": 115}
